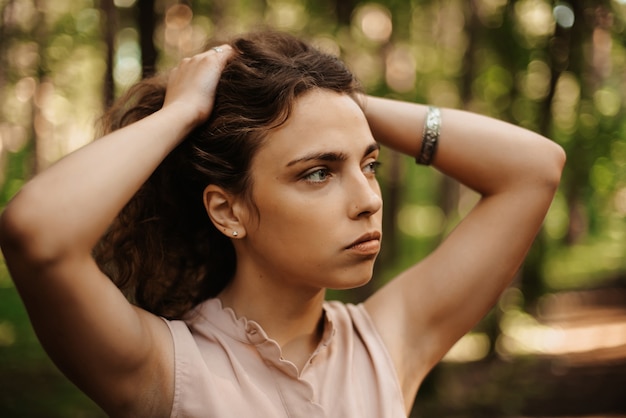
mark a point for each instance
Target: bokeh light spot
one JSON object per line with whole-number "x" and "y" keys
{"x": 534, "y": 20}
{"x": 401, "y": 69}
{"x": 7, "y": 334}
{"x": 124, "y": 3}
{"x": 421, "y": 220}
{"x": 607, "y": 102}
{"x": 375, "y": 22}
{"x": 178, "y": 16}
{"x": 564, "y": 15}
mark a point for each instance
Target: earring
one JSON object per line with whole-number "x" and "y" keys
{"x": 235, "y": 233}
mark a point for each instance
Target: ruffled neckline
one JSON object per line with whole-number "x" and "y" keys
{"x": 251, "y": 332}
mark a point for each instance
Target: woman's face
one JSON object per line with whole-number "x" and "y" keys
{"x": 318, "y": 200}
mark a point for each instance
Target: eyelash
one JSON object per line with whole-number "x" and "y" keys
{"x": 372, "y": 167}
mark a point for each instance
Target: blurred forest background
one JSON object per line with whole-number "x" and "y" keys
{"x": 556, "y": 343}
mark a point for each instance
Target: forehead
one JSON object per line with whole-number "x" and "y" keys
{"x": 320, "y": 121}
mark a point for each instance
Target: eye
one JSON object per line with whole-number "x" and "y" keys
{"x": 372, "y": 167}
{"x": 320, "y": 175}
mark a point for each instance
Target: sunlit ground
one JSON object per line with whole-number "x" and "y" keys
{"x": 569, "y": 323}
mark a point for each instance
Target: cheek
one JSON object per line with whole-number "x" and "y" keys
{"x": 295, "y": 222}
{"x": 287, "y": 214}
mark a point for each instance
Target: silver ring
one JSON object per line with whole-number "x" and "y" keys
{"x": 217, "y": 49}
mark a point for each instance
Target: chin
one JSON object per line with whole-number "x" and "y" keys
{"x": 353, "y": 284}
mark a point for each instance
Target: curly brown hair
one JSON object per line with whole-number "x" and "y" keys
{"x": 162, "y": 250}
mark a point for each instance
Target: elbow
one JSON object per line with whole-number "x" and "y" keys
{"x": 20, "y": 231}
{"x": 14, "y": 228}
{"x": 555, "y": 159}
{"x": 540, "y": 169}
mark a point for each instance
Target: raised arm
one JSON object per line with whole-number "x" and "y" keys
{"x": 425, "y": 310}
{"x": 118, "y": 354}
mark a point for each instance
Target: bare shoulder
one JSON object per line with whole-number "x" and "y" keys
{"x": 149, "y": 391}
{"x": 120, "y": 355}
{"x": 396, "y": 324}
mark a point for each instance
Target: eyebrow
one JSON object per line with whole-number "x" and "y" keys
{"x": 331, "y": 156}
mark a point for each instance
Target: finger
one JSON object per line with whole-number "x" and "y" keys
{"x": 222, "y": 48}
{"x": 221, "y": 51}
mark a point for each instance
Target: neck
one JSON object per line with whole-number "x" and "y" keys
{"x": 290, "y": 316}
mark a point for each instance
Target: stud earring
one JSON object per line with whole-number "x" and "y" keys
{"x": 235, "y": 233}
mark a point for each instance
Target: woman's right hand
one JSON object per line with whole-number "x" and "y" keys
{"x": 192, "y": 84}
{"x": 115, "y": 352}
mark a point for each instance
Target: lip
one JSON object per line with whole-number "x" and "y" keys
{"x": 366, "y": 244}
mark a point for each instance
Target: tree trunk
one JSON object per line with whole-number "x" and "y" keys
{"x": 343, "y": 10}
{"x": 146, "y": 22}
{"x": 109, "y": 27}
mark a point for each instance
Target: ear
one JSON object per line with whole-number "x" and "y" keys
{"x": 223, "y": 209}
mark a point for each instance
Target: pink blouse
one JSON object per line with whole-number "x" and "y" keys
{"x": 228, "y": 367}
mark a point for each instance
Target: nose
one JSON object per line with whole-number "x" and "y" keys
{"x": 364, "y": 196}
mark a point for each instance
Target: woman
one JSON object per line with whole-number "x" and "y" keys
{"x": 229, "y": 199}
